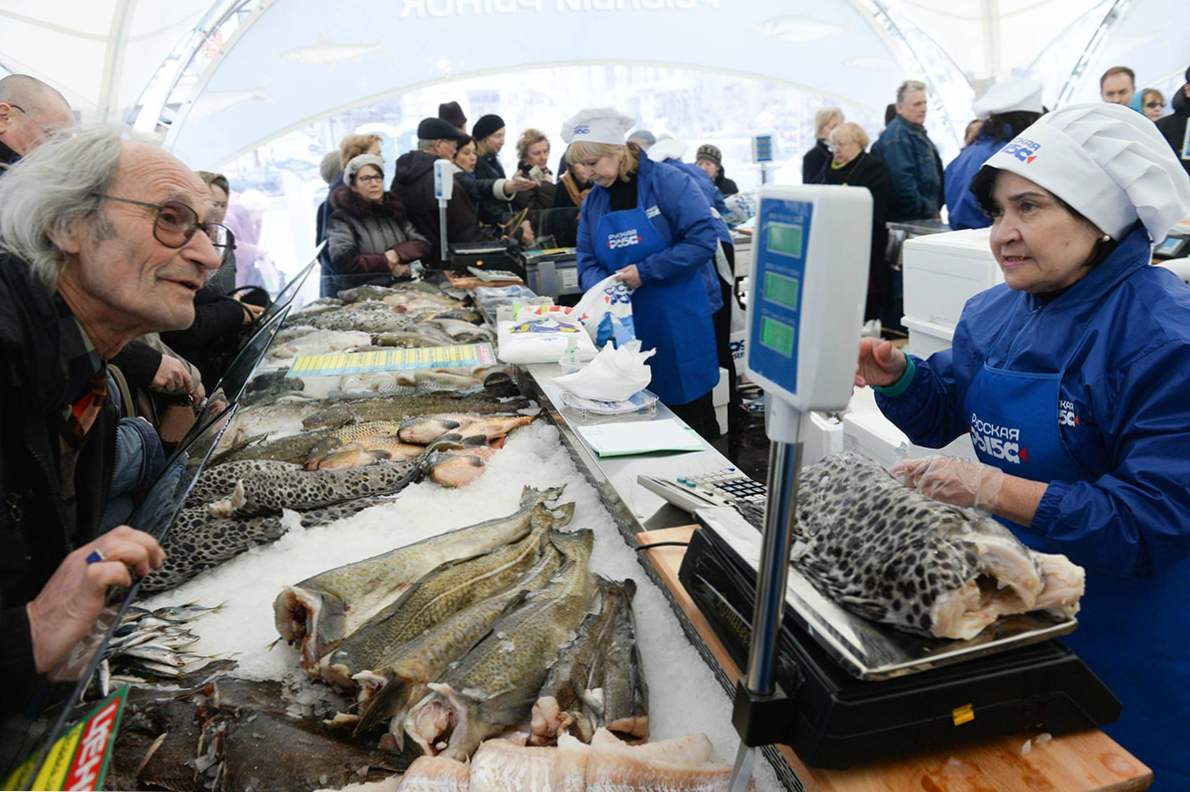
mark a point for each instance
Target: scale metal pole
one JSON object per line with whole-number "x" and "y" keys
{"x": 760, "y": 683}
{"x": 444, "y": 255}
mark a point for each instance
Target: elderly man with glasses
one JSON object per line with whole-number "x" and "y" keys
{"x": 30, "y": 111}
{"x": 107, "y": 242}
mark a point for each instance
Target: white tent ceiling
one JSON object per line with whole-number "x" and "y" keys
{"x": 229, "y": 74}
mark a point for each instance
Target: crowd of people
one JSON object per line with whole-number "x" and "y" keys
{"x": 120, "y": 306}
{"x": 904, "y": 172}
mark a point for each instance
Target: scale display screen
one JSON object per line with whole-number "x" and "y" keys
{"x": 777, "y": 336}
{"x": 785, "y": 239}
{"x": 781, "y": 289}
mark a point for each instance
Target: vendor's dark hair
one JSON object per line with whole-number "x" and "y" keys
{"x": 985, "y": 181}
{"x": 1006, "y": 126}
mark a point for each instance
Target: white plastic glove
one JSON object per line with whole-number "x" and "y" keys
{"x": 960, "y": 482}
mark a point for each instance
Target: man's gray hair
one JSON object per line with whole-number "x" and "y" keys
{"x": 425, "y": 145}
{"x": 908, "y": 87}
{"x": 53, "y": 188}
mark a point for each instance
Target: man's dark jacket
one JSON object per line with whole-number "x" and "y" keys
{"x": 37, "y": 527}
{"x": 1173, "y": 126}
{"x": 414, "y": 184}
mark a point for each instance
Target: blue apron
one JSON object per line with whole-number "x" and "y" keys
{"x": 666, "y": 315}
{"x": 1126, "y": 624}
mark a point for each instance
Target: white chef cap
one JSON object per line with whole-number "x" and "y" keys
{"x": 597, "y": 125}
{"x": 1009, "y": 95}
{"x": 667, "y": 147}
{"x": 1108, "y": 162}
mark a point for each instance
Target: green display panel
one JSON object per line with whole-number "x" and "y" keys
{"x": 781, "y": 289}
{"x": 777, "y": 336}
{"x": 785, "y": 239}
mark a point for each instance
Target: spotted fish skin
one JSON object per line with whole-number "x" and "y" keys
{"x": 199, "y": 541}
{"x": 218, "y": 481}
{"x": 892, "y": 555}
{"x": 269, "y": 492}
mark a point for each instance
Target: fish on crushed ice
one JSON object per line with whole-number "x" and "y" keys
{"x": 495, "y": 684}
{"x": 437, "y": 595}
{"x": 198, "y": 541}
{"x": 268, "y": 492}
{"x": 601, "y": 665}
{"x": 459, "y": 467}
{"x": 892, "y": 555}
{"x": 320, "y": 611}
{"x": 218, "y": 481}
{"x": 399, "y": 678}
{"x": 316, "y": 342}
{"x": 341, "y": 413}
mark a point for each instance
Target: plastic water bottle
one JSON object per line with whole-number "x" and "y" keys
{"x": 569, "y": 360}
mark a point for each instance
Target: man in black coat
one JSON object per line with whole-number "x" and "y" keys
{"x": 1173, "y": 127}
{"x": 127, "y": 261}
{"x": 414, "y": 185}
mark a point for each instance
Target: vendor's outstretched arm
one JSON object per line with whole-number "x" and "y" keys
{"x": 926, "y": 402}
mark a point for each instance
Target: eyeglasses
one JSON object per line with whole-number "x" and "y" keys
{"x": 1154, "y": 104}
{"x": 371, "y": 178}
{"x": 174, "y": 223}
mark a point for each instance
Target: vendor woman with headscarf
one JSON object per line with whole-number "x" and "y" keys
{"x": 1071, "y": 379}
{"x": 650, "y": 227}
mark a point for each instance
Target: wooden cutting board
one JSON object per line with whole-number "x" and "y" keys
{"x": 1087, "y": 760}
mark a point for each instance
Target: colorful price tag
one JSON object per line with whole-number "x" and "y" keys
{"x": 339, "y": 363}
{"x": 79, "y": 759}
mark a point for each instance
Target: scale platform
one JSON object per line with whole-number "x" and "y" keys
{"x": 861, "y": 691}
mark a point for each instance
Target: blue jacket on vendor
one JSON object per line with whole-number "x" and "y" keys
{"x": 670, "y": 236}
{"x": 961, "y": 207}
{"x": 718, "y": 208}
{"x": 915, "y": 168}
{"x": 1117, "y": 347}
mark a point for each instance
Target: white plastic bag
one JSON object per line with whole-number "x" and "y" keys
{"x": 606, "y": 310}
{"x": 614, "y": 375}
{"x": 539, "y": 334}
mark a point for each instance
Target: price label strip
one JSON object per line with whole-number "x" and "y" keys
{"x": 80, "y": 758}
{"x": 338, "y": 363}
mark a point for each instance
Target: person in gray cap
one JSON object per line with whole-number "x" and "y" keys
{"x": 710, "y": 159}
{"x": 414, "y": 186}
{"x": 370, "y": 237}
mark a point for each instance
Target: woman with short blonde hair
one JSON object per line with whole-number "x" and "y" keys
{"x": 352, "y": 146}
{"x": 826, "y": 119}
{"x": 649, "y": 227}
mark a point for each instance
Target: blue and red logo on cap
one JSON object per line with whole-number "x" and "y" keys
{"x": 1022, "y": 149}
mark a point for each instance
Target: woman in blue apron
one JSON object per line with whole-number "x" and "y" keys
{"x": 1072, "y": 381}
{"x": 650, "y": 226}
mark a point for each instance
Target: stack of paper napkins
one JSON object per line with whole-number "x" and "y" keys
{"x": 614, "y": 375}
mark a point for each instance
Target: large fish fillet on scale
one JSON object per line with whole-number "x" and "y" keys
{"x": 890, "y": 554}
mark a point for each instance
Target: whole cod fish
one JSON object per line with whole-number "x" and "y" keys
{"x": 598, "y": 679}
{"x": 890, "y": 554}
{"x": 495, "y": 685}
{"x": 398, "y": 409}
{"x": 405, "y": 673}
{"x": 320, "y": 611}
{"x": 448, "y": 588}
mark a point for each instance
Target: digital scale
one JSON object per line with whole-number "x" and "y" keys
{"x": 894, "y": 694}
{"x": 691, "y": 493}
{"x": 837, "y": 688}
